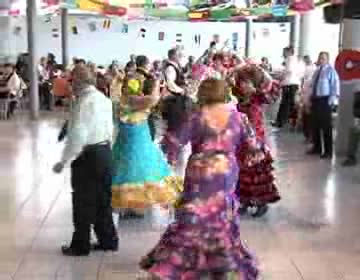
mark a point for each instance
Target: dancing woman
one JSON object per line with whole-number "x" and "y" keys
{"x": 256, "y": 186}
{"x": 142, "y": 174}
{"x": 205, "y": 238}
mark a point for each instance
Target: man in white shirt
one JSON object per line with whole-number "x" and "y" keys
{"x": 292, "y": 78}
{"x": 88, "y": 146}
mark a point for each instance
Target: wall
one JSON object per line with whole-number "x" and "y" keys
{"x": 318, "y": 36}
{"x": 269, "y": 39}
{"x": 104, "y": 45}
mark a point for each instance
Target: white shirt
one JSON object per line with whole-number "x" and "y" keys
{"x": 293, "y": 72}
{"x": 43, "y": 73}
{"x": 91, "y": 122}
{"x": 170, "y": 78}
{"x": 13, "y": 85}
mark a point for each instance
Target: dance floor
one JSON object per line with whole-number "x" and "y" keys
{"x": 312, "y": 234}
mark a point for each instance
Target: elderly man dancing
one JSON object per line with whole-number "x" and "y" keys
{"x": 88, "y": 145}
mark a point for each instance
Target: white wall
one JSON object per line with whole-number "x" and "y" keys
{"x": 318, "y": 36}
{"x": 269, "y": 39}
{"x": 102, "y": 46}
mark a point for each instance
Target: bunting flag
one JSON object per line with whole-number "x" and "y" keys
{"x": 142, "y": 32}
{"x": 197, "y": 39}
{"x": 235, "y": 40}
{"x": 302, "y": 5}
{"x": 50, "y": 2}
{"x": 107, "y": 24}
{"x": 73, "y": 26}
{"x": 55, "y": 32}
{"x": 161, "y": 36}
{"x": 74, "y": 30}
{"x": 125, "y": 28}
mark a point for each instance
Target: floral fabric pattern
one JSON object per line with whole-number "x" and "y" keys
{"x": 205, "y": 238}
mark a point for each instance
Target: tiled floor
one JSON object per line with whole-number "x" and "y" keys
{"x": 312, "y": 234}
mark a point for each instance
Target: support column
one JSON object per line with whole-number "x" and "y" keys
{"x": 65, "y": 37}
{"x": 249, "y": 37}
{"x": 308, "y": 34}
{"x": 349, "y": 83}
{"x": 33, "y": 58}
{"x": 295, "y": 33}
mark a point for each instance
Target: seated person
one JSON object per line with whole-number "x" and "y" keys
{"x": 354, "y": 134}
{"x": 61, "y": 88}
{"x": 10, "y": 86}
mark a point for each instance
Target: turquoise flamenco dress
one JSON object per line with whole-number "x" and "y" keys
{"x": 142, "y": 176}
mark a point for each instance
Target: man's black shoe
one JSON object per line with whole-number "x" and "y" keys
{"x": 99, "y": 247}
{"x": 72, "y": 252}
{"x": 326, "y": 156}
{"x": 313, "y": 152}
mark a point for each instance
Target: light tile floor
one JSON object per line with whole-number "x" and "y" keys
{"x": 312, "y": 234}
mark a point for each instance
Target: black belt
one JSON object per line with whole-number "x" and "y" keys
{"x": 96, "y": 145}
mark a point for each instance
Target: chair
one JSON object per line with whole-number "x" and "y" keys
{"x": 4, "y": 108}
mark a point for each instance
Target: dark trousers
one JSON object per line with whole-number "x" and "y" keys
{"x": 321, "y": 119}
{"x": 45, "y": 96}
{"x": 306, "y": 125}
{"x": 176, "y": 109}
{"x": 287, "y": 104}
{"x": 91, "y": 198}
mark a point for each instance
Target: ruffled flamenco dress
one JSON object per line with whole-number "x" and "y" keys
{"x": 256, "y": 185}
{"x": 142, "y": 176}
{"x": 205, "y": 239}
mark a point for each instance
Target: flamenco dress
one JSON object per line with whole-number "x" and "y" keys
{"x": 256, "y": 185}
{"x": 142, "y": 176}
{"x": 205, "y": 239}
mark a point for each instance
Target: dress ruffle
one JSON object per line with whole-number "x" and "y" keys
{"x": 141, "y": 196}
{"x": 205, "y": 239}
{"x": 256, "y": 185}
